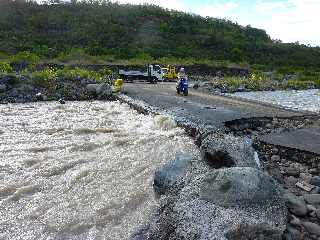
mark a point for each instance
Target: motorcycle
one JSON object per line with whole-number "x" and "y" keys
{"x": 182, "y": 86}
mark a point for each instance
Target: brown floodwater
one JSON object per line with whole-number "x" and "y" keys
{"x": 83, "y": 170}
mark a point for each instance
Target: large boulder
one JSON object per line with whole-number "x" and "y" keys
{"x": 99, "y": 90}
{"x": 296, "y": 205}
{"x": 8, "y": 79}
{"x": 223, "y": 151}
{"x": 171, "y": 177}
{"x": 224, "y": 204}
{"x": 3, "y": 87}
{"x": 239, "y": 186}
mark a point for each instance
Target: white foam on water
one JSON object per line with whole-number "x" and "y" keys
{"x": 83, "y": 170}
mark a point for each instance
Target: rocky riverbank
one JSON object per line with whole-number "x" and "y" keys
{"x": 223, "y": 196}
{"x": 201, "y": 199}
{"x": 21, "y": 89}
{"x": 297, "y": 171}
{"x": 248, "y": 83}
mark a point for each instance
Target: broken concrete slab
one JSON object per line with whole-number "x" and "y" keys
{"x": 302, "y": 139}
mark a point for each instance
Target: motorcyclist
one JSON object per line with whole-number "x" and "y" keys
{"x": 182, "y": 84}
{"x": 182, "y": 74}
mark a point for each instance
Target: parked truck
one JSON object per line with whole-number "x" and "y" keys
{"x": 152, "y": 74}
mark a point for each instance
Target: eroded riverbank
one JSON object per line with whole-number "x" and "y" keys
{"x": 224, "y": 154}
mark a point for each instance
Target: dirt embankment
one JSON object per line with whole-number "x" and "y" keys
{"x": 21, "y": 89}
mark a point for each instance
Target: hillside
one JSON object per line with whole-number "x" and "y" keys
{"x": 102, "y": 28}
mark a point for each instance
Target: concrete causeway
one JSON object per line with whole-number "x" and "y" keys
{"x": 216, "y": 110}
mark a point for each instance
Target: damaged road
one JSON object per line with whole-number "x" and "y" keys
{"x": 228, "y": 132}
{"x": 215, "y": 112}
{"x": 201, "y": 107}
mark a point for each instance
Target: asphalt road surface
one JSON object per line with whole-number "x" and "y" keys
{"x": 215, "y": 110}
{"x": 199, "y": 106}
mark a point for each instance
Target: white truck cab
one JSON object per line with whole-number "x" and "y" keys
{"x": 153, "y": 74}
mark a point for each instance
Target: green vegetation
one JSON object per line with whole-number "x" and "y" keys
{"x": 48, "y": 76}
{"x": 25, "y": 59}
{"x": 5, "y": 68}
{"x": 260, "y": 81}
{"x": 99, "y": 31}
{"x": 255, "y": 81}
{"x": 44, "y": 78}
{"x": 102, "y": 32}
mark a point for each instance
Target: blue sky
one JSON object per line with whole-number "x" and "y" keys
{"x": 287, "y": 20}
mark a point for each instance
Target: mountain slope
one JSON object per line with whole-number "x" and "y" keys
{"x": 128, "y": 31}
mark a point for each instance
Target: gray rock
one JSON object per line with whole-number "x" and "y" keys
{"x": 292, "y": 234}
{"x": 296, "y": 205}
{"x": 39, "y": 96}
{"x": 292, "y": 172}
{"x": 315, "y": 190}
{"x": 311, "y": 208}
{"x": 221, "y": 212}
{"x": 223, "y": 151}
{"x": 318, "y": 213}
{"x": 291, "y": 181}
{"x": 62, "y": 101}
{"x": 306, "y": 177}
{"x": 101, "y": 90}
{"x": 294, "y": 221}
{"x": 8, "y": 79}
{"x": 275, "y": 158}
{"x": 238, "y": 186}
{"x": 263, "y": 232}
{"x": 312, "y": 228}
{"x": 3, "y": 87}
{"x": 269, "y": 125}
{"x": 141, "y": 234}
{"x": 312, "y": 198}
{"x": 315, "y": 181}
{"x": 172, "y": 176}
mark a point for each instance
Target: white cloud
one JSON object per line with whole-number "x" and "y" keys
{"x": 263, "y": 7}
{"x": 218, "y": 10}
{"x": 171, "y": 4}
{"x": 291, "y": 20}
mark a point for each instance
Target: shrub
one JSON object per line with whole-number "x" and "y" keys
{"x": 4, "y": 55}
{"x": 25, "y": 59}
{"x": 44, "y": 78}
{"x": 233, "y": 82}
{"x": 256, "y": 81}
{"x": 5, "y": 67}
{"x": 299, "y": 85}
{"x": 78, "y": 56}
{"x": 72, "y": 74}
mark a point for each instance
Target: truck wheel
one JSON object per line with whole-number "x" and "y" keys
{"x": 154, "y": 80}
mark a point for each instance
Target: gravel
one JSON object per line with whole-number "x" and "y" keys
{"x": 305, "y": 100}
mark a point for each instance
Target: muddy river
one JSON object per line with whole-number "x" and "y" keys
{"x": 82, "y": 170}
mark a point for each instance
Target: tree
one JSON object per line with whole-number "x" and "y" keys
{"x": 236, "y": 55}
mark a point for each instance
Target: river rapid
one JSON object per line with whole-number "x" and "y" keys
{"x": 83, "y": 170}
